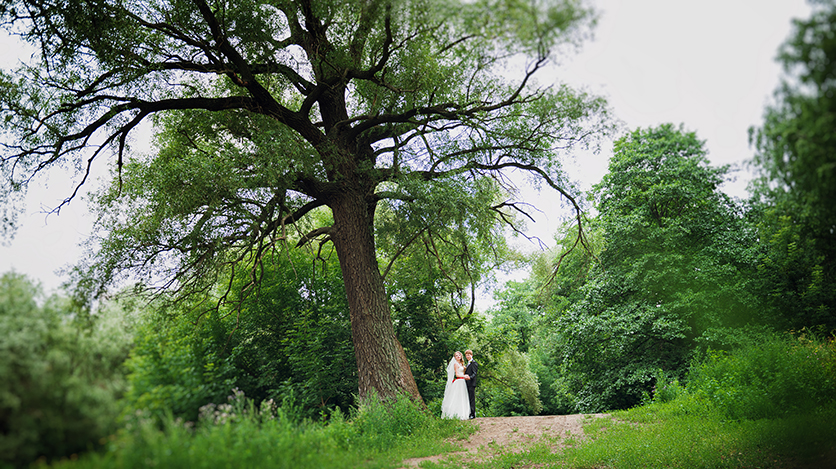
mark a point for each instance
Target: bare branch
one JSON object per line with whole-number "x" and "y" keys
{"x": 509, "y": 222}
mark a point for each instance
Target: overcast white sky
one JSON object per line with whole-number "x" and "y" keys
{"x": 708, "y": 65}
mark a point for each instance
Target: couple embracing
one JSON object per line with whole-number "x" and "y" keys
{"x": 460, "y": 391}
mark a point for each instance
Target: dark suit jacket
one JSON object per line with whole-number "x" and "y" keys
{"x": 471, "y": 370}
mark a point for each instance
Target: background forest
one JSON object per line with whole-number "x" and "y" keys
{"x": 664, "y": 287}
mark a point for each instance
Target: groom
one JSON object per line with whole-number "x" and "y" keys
{"x": 470, "y": 378}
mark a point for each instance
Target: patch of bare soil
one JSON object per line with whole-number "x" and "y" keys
{"x": 513, "y": 434}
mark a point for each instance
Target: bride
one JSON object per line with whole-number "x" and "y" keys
{"x": 455, "y": 403}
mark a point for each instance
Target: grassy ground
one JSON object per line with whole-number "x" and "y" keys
{"x": 238, "y": 435}
{"x": 665, "y": 436}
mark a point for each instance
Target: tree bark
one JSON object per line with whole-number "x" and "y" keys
{"x": 381, "y": 362}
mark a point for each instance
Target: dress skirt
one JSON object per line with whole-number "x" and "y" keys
{"x": 456, "y": 404}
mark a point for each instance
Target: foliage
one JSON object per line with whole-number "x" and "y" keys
{"x": 514, "y": 316}
{"x": 555, "y": 284}
{"x": 291, "y": 337}
{"x": 512, "y": 389}
{"x": 675, "y": 244}
{"x": 240, "y": 433}
{"x": 443, "y": 255}
{"x": 61, "y": 373}
{"x": 669, "y": 275}
{"x": 790, "y": 272}
{"x": 767, "y": 404}
{"x": 796, "y": 159}
{"x": 508, "y": 385}
{"x": 383, "y": 425}
{"x": 268, "y": 110}
{"x": 666, "y": 388}
{"x": 769, "y": 378}
{"x": 560, "y": 273}
{"x": 172, "y": 370}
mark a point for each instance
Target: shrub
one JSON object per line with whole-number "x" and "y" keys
{"x": 60, "y": 376}
{"x": 667, "y": 387}
{"x": 291, "y": 337}
{"x": 240, "y": 433}
{"x": 771, "y": 378}
{"x": 233, "y": 434}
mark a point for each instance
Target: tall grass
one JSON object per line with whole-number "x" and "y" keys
{"x": 238, "y": 434}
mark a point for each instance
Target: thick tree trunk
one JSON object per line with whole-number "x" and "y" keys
{"x": 381, "y": 361}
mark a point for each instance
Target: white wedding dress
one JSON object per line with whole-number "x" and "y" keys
{"x": 456, "y": 404}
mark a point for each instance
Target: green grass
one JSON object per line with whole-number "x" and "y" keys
{"x": 679, "y": 434}
{"x": 660, "y": 435}
{"x": 376, "y": 436}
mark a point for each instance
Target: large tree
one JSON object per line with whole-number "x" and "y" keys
{"x": 270, "y": 109}
{"x": 796, "y": 158}
{"x": 669, "y": 275}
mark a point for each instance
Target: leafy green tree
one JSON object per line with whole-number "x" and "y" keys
{"x": 672, "y": 273}
{"x": 289, "y": 340}
{"x": 269, "y": 109}
{"x": 515, "y": 314}
{"x": 558, "y": 274}
{"x": 796, "y": 157}
{"x": 522, "y": 325}
{"x": 60, "y": 377}
{"x": 510, "y": 388}
{"x": 554, "y": 285}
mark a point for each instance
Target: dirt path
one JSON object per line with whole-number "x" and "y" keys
{"x": 513, "y": 434}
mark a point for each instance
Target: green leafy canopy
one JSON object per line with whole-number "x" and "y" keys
{"x": 269, "y": 107}
{"x": 271, "y": 111}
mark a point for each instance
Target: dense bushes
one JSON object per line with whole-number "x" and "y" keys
{"x": 769, "y": 378}
{"x": 60, "y": 376}
{"x": 289, "y": 339}
{"x": 512, "y": 388}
